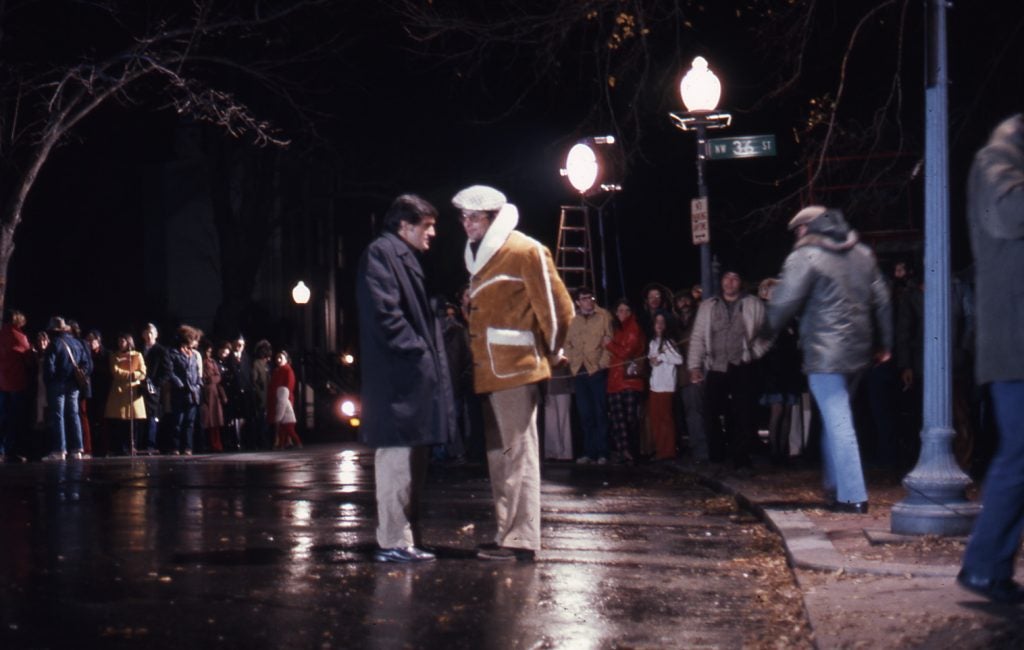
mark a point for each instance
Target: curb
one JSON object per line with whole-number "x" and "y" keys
{"x": 807, "y": 546}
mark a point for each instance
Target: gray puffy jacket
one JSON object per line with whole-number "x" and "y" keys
{"x": 833, "y": 283}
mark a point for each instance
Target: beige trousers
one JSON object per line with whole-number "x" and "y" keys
{"x": 399, "y": 473}
{"x": 513, "y": 458}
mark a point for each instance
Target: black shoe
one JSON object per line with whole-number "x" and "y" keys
{"x": 403, "y": 555}
{"x": 855, "y": 508}
{"x": 998, "y": 591}
{"x": 506, "y": 554}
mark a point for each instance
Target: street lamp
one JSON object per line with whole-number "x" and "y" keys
{"x": 700, "y": 90}
{"x": 301, "y": 295}
{"x": 936, "y": 501}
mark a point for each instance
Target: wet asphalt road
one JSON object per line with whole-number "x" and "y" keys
{"x": 273, "y": 550}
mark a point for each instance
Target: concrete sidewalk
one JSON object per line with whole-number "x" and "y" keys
{"x": 863, "y": 586}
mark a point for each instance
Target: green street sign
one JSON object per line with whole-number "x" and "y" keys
{"x": 742, "y": 146}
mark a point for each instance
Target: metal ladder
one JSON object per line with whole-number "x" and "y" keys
{"x": 573, "y": 257}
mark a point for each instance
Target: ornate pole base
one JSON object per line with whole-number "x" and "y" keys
{"x": 936, "y": 502}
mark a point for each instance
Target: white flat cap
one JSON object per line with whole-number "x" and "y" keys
{"x": 479, "y": 197}
{"x": 807, "y": 215}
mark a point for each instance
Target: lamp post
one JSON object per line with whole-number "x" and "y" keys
{"x": 700, "y": 91}
{"x": 936, "y": 502}
{"x": 300, "y": 296}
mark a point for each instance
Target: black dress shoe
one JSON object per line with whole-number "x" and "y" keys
{"x": 506, "y": 554}
{"x": 856, "y": 507}
{"x": 403, "y": 555}
{"x": 998, "y": 591}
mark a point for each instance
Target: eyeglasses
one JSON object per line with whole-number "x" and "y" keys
{"x": 473, "y": 217}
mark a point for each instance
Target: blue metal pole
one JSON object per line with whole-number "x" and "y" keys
{"x": 706, "y": 283}
{"x": 936, "y": 501}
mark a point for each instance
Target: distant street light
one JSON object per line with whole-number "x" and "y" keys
{"x": 700, "y": 90}
{"x": 300, "y": 293}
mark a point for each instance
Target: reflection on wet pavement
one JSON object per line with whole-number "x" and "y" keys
{"x": 274, "y": 550}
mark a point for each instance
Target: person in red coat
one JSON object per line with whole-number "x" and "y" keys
{"x": 628, "y": 349}
{"x": 281, "y": 403}
{"x": 15, "y": 360}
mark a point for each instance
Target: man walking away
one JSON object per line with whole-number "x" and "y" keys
{"x": 995, "y": 213}
{"x": 832, "y": 282}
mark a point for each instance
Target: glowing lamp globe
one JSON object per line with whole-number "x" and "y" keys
{"x": 300, "y": 293}
{"x": 700, "y": 88}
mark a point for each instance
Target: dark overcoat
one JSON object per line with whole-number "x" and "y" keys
{"x": 406, "y": 387}
{"x": 995, "y": 213}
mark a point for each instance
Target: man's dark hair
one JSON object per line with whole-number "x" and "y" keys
{"x": 583, "y": 291}
{"x": 409, "y": 208}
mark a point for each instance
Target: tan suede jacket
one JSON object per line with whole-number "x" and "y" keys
{"x": 519, "y": 307}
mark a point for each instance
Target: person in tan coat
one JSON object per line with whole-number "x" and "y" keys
{"x": 125, "y": 407}
{"x": 589, "y": 332}
{"x": 519, "y": 315}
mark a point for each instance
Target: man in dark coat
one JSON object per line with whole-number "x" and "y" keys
{"x": 158, "y": 375}
{"x": 995, "y": 213}
{"x": 406, "y": 389}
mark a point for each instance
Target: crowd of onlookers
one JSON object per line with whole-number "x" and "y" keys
{"x": 631, "y": 385}
{"x": 666, "y": 379}
{"x": 64, "y": 394}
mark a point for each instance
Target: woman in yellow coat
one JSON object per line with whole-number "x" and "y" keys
{"x": 125, "y": 407}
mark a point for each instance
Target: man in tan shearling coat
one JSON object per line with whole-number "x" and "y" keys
{"x": 519, "y": 314}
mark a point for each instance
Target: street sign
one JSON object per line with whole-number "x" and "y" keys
{"x": 743, "y": 146}
{"x": 699, "y": 221}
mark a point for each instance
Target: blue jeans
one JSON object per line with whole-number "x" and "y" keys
{"x": 184, "y": 423}
{"x": 839, "y": 451}
{"x": 592, "y": 405}
{"x": 147, "y": 434}
{"x": 65, "y": 425}
{"x": 995, "y": 539}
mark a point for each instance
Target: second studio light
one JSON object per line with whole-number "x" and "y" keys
{"x": 593, "y": 165}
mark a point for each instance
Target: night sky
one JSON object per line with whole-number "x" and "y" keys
{"x": 404, "y": 116}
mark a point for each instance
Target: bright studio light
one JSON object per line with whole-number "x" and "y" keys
{"x": 589, "y": 165}
{"x": 581, "y": 167}
{"x": 700, "y": 88}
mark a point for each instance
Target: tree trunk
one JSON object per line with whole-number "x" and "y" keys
{"x": 6, "y": 251}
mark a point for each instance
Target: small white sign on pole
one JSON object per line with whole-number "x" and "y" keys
{"x": 699, "y": 221}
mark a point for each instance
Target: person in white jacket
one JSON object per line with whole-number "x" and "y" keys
{"x": 665, "y": 358}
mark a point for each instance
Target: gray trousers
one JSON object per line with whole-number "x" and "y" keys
{"x": 513, "y": 458}
{"x": 399, "y": 474}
